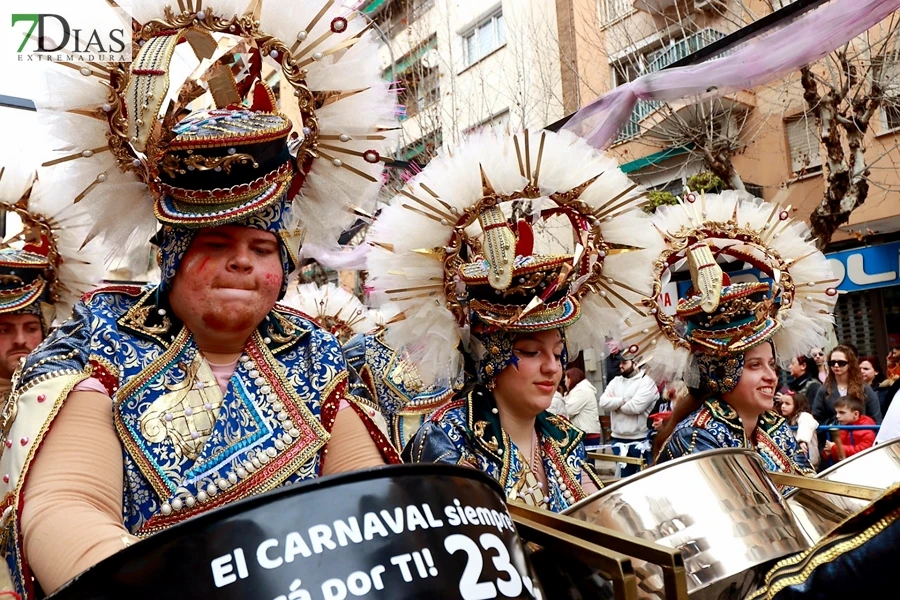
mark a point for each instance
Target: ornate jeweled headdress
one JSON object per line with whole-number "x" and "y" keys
{"x": 506, "y": 235}
{"x": 336, "y": 309}
{"x": 171, "y": 121}
{"x": 720, "y": 318}
{"x": 43, "y": 268}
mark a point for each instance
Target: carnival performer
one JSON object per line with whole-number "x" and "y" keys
{"x": 43, "y": 270}
{"x": 153, "y": 405}
{"x": 384, "y": 376}
{"x": 467, "y": 275}
{"x": 724, "y": 335}
{"x": 394, "y": 383}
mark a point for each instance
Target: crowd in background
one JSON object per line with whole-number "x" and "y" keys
{"x": 837, "y": 402}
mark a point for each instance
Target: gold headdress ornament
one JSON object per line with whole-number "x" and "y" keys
{"x": 791, "y": 304}
{"x": 314, "y": 61}
{"x": 336, "y": 309}
{"x": 512, "y": 233}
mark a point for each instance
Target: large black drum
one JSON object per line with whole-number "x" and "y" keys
{"x": 401, "y": 532}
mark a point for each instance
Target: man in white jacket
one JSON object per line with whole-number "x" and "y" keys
{"x": 629, "y": 398}
{"x": 581, "y": 402}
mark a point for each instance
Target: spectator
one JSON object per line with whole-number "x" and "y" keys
{"x": 893, "y": 363}
{"x": 558, "y": 404}
{"x": 673, "y": 393}
{"x": 581, "y": 402}
{"x": 614, "y": 348}
{"x": 844, "y": 379}
{"x": 629, "y": 398}
{"x": 795, "y": 408}
{"x": 818, "y": 355}
{"x": 805, "y": 380}
{"x": 873, "y": 376}
{"x": 849, "y": 412}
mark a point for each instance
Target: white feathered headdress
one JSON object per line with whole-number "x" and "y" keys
{"x": 41, "y": 258}
{"x": 707, "y": 233}
{"x": 517, "y": 229}
{"x": 336, "y": 309}
{"x": 105, "y": 119}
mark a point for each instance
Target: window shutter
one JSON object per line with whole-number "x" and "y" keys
{"x": 853, "y": 321}
{"x": 803, "y": 140}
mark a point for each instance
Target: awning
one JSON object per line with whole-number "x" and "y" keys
{"x": 413, "y": 57}
{"x": 652, "y": 160}
{"x": 372, "y": 6}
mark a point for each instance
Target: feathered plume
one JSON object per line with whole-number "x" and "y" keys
{"x": 336, "y": 309}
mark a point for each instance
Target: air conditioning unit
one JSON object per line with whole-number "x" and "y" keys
{"x": 431, "y": 59}
{"x": 710, "y": 5}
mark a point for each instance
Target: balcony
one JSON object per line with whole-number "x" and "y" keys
{"x": 675, "y": 52}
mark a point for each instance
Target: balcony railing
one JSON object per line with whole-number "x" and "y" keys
{"x": 675, "y": 52}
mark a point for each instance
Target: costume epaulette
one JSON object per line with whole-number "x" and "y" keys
{"x": 293, "y": 314}
{"x": 439, "y": 414}
{"x": 126, "y": 290}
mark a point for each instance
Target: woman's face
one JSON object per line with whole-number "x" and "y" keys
{"x": 838, "y": 364}
{"x": 868, "y": 371}
{"x": 787, "y": 405}
{"x": 526, "y": 386}
{"x": 797, "y": 369}
{"x": 755, "y": 391}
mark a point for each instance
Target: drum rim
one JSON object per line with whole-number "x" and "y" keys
{"x": 113, "y": 562}
{"x": 606, "y": 490}
{"x": 846, "y": 461}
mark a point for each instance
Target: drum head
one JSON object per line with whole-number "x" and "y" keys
{"x": 399, "y": 532}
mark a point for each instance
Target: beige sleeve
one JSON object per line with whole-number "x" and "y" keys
{"x": 72, "y": 507}
{"x": 351, "y": 446}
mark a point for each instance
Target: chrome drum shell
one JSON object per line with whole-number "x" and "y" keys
{"x": 719, "y": 508}
{"x": 819, "y": 513}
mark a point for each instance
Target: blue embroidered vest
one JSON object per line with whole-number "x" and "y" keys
{"x": 717, "y": 425}
{"x": 468, "y": 431}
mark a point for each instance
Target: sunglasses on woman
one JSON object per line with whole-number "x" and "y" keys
{"x": 838, "y": 363}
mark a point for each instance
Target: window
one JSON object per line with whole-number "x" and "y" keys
{"x": 398, "y": 15}
{"x": 486, "y": 36}
{"x": 418, "y": 78}
{"x": 421, "y": 89}
{"x": 886, "y": 71}
{"x": 420, "y": 7}
{"x": 422, "y": 150}
{"x": 610, "y": 10}
{"x": 803, "y": 141}
{"x": 499, "y": 121}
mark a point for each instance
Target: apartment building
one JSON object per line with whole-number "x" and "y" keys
{"x": 766, "y": 133}
{"x": 463, "y": 65}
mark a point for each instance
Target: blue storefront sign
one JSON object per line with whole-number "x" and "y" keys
{"x": 855, "y": 270}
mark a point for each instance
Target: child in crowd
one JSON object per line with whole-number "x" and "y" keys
{"x": 849, "y": 412}
{"x": 795, "y": 408}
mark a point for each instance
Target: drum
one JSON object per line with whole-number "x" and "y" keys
{"x": 819, "y": 513}
{"x": 719, "y": 508}
{"x": 399, "y": 532}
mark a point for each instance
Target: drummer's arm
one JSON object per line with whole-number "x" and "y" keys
{"x": 351, "y": 446}
{"x": 72, "y": 501}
